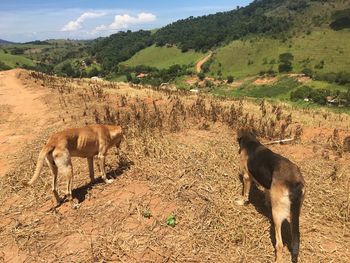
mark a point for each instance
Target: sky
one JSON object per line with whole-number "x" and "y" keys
{"x": 28, "y": 20}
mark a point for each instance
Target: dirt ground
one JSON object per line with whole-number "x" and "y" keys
{"x": 186, "y": 167}
{"x": 23, "y": 114}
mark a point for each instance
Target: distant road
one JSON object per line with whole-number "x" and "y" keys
{"x": 202, "y": 61}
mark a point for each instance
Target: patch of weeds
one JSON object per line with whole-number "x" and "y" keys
{"x": 171, "y": 220}
{"x": 147, "y": 214}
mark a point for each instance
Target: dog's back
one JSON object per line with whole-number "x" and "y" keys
{"x": 84, "y": 141}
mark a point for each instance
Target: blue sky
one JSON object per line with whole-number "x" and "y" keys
{"x": 26, "y": 20}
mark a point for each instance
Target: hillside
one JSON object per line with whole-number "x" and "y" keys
{"x": 163, "y": 57}
{"x": 275, "y": 18}
{"x": 245, "y": 42}
{"x": 13, "y": 61}
{"x": 5, "y": 42}
{"x": 310, "y": 37}
{"x": 249, "y": 57}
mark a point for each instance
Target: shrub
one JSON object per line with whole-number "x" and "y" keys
{"x": 201, "y": 76}
{"x": 320, "y": 65}
{"x": 301, "y": 93}
{"x": 307, "y": 72}
{"x": 319, "y": 96}
{"x": 286, "y": 57}
{"x": 128, "y": 77}
{"x": 3, "y": 66}
{"x": 230, "y": 79}
{"x": 285, "y": 67}
{"x": 342, "y": 78}
{"x": 93, "y": 72}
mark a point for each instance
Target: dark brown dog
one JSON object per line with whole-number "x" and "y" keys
{"x": 283, "y": 181}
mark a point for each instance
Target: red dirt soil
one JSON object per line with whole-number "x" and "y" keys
{"x": 202, "y": 61}
{"x": 23, "y": 114}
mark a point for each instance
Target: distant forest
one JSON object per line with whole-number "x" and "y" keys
{"x": 200, "y": 33}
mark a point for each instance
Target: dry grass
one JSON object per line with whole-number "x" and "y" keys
{"x": 179, "y": 157}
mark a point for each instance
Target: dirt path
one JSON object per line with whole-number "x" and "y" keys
{"x": 202, "y": 61}
{"x": 22, "y": 115}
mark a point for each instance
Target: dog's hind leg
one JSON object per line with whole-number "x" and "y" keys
{"x": 64, "y": 164}
{"x": 53, "y": 168}
{"x": 278, "y": 220}
{"x": 280, "y": 205}
{"x": 90, "y": 161}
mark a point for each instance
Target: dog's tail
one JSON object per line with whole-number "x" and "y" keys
{"x": 39, "y": 165}
{"x": 296, "y": 197}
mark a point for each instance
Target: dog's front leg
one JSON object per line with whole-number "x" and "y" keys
{"x": 102, "y": 158}
{"x": 90, "y": 161}
{"x": 246, "y": 190}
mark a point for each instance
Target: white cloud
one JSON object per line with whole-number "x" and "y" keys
{"x": 124, "y": 21}
{"x": 76, "y": 24}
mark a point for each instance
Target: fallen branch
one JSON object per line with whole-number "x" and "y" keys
{"x": 280, "y": 141}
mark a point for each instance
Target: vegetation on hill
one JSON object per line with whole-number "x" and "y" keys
{"x": 119, "y": 47}
{"x": 206, "y": 32}
{"x": 273, "y": 18}
{"x": 9, "y": 60}
{"x": 163, "y": 57}
{"x": 321, "y": 51}
{"x": 341, "y": 19}
{"x": 267, "y": 37}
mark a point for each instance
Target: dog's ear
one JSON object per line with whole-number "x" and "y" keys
{"x": 239, "y": 138}
{"x": 251, "y": 133}
{"x": 240, "y": 133}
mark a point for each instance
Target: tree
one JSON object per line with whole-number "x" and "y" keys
{"x": 286, "y": 57}
{"x": 285, "y": 67}
{"x": 230, "y": 79}
{"x": 307, "y": 72}
{"x": 201, "y": 76}
{"x": 319, "y": 96}
{"x": 301, "y": 93}
{"x": 128, "y": 77}
{"x": 68, "y": 70}
{"x": 285, "y": 60}
{"x": 93, "y": 72}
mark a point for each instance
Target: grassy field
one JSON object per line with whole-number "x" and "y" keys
{"x": 14, "y": 60}
{"x": 163, "y": 57}
{"x": 280, "y": 90}
{"x": 249, "y": 57}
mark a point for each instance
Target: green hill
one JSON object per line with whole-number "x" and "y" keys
{"x": 274, "y": 18}
{"x": 14, "y": 60}
{"x": 163, "y": 57}
{"x": 249, "y": 57}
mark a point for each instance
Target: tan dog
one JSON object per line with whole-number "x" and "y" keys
{"x": 85, "y": 142}
{"x": 284, "y": 183}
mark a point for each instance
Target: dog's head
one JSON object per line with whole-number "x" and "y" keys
{"x": 244, "y": 135}
{"x": 116, "y": 134}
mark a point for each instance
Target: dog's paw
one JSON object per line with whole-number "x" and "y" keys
{"x": 75, "y": 203}
{"x": 241, "y": 202}
{"x": 109, "y": 181}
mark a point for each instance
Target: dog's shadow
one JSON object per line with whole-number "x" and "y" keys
{"x": 81, "y": 192}
{"x": 258, "y": 199}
